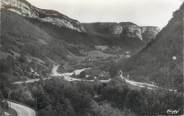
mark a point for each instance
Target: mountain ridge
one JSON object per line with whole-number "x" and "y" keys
{"x": 25, "y": 8}
{"x": 161, "y": 60}
{"x": 122, "y": 29}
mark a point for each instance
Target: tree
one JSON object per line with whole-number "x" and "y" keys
{"x": 82, "y": 75}
{"x": 5, "y": 84}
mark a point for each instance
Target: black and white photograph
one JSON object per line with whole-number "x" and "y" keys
{"x": 91, "y": 57}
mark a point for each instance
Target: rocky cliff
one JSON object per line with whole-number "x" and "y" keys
{"x": 161, "y": 60}
{"x": 123, "y": 30}
{"x": 24, "y": 8}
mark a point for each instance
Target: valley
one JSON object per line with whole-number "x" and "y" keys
{"x": 59, "y": 66}
{"x": 68, "y": 77}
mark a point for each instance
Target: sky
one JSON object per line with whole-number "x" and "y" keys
{"x": 140, "y": 12}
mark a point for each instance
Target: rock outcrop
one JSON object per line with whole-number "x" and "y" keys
{"x": 149, "y": 32}
{"x": 24, "y": 8}
{"x": 123, "y": 30}
{"x": 161, "y": 60}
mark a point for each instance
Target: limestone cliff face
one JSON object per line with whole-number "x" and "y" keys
{"x": 131, "y": 30}
{"x": 24, "y": 8}
{"x": 119, "y": 30}
{"x": 116, "y": 29}
{"x": 149, "y": 32}
{"x": 145, "y": 33}
{"x": 123, "y": 30}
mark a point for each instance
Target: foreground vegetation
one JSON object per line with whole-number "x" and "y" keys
{"x": 60, "y": 98}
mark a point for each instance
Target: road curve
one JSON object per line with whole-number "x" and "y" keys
{"x": 22, "y": 110}
{"x": 144, "y": 85}
{"x": 67, "y": 77}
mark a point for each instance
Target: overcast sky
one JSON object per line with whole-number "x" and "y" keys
{"x": 141, "y": 12}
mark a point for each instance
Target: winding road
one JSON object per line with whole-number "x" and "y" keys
{"x": 26, "y": 111}
{"x": 21, "y": 110}
{"x": 68, "y": 77}
{"x": 144, "y": 85}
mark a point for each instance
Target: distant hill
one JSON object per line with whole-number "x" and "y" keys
{"x": 122, "y": 30}
{"x": 161, "y": 60}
